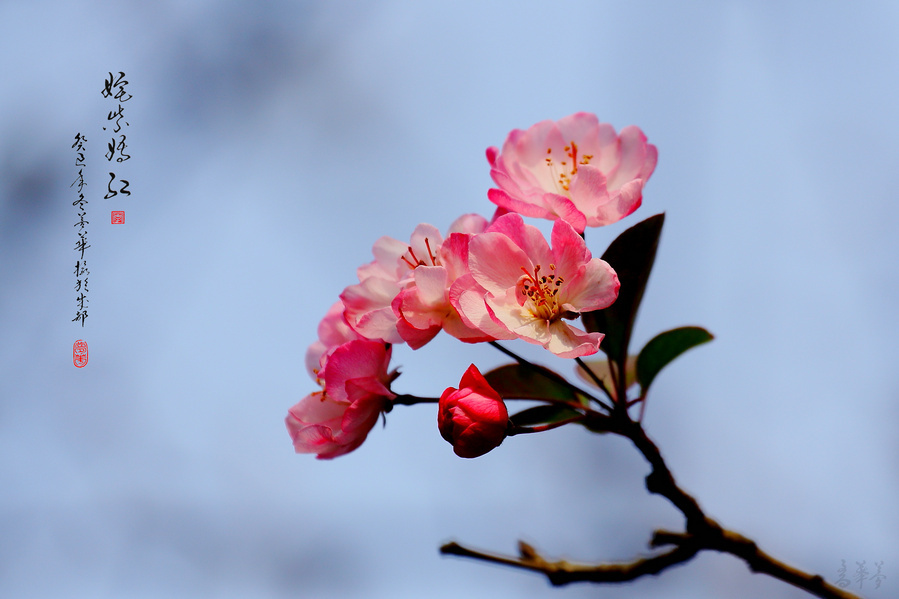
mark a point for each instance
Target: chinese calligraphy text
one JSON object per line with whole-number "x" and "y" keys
{"x": 114, "y": 88}
{"x": 81, "y": 270}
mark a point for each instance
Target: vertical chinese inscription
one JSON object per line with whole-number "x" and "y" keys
{"x": 116, "y": 127}
{"x": 81, "y": 270}
{"x": 116, "y": 187}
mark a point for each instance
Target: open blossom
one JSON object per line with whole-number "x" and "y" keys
{"x": 356, "y": 390}
{"x": 575, "y": 169}
{"x": 518, "y": 284}
{"x": 423, "y": 307}
{"x": 333, "y": 331}
{"x": 369, "y": 308}
{"x": 473, "y": 418}
{"x": 403, "y": 295}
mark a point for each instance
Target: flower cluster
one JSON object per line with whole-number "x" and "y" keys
{"x": 502, "y": 279}
{"x": 482, "y": 281}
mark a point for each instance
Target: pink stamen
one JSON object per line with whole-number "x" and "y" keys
{"x": 430, "y": 253}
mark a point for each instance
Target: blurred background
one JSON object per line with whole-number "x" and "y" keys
{"x": 273, "y": 142}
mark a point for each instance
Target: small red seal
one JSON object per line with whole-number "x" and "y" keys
{"x": 79, "y": 354}
{"x": 118, "y": 217}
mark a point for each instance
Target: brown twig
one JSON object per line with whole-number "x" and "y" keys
{"x": 563, "y": 572}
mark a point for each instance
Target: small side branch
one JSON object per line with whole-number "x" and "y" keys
{"x": 562, "y": 572}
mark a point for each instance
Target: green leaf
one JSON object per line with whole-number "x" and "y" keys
{"x": 521, "y": 382}
{"x": 631, "y": 255}
{"x": 544, "y": 414}
{"x": 665, "y": 347}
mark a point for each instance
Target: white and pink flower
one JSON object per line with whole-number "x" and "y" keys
{"x": 520, "y": 287}
{"x": 336, "y": 420}
{"x": 576, "y": 169}
{"x": 403, "y": 295}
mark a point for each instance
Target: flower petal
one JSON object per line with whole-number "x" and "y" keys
{"x": 496, "y": 262}
{"x": 567, "y": 341}
{"x": 595, "y": 287}
{"x": 467, "y": 297}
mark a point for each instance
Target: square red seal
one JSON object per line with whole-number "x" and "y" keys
{"x": 118, "y": 217}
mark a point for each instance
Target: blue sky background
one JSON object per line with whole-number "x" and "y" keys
{"x": 273, "y": 142}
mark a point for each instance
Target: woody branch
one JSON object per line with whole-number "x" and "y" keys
{"x": 702, "y": 533}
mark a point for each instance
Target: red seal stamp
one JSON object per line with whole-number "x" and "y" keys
{"x": 79, "y": 354}
{"x": 118, "y": 217}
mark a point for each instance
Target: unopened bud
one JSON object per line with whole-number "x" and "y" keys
{"x": 472, "y": 418}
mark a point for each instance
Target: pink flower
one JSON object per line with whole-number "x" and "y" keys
{"x": 369, "y": 308}
{"x": 356, "y": 390}
{"x": 333, "y": 331}
{"x": 521, "y": 286}
{"x": 423, "y": 308}
{"x": 472, "y": 418}
{"x": 577, "y": 169}
{"x": 403, "y": 294}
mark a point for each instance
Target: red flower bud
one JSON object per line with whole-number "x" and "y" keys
{"x": 473, "y": 418}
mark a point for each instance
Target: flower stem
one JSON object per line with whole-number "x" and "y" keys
{"x": 595, "y": 378}
{"x": 511, "y": 354}
{"x": 533, "y": 368}
{"x": 411, "y": 400}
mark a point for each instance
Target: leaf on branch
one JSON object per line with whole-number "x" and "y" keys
{"x": 537, "y": 382}
{"x": 631, "y": 255}
{"x": 545, "y": 414}
{"x": 664, "y": 348}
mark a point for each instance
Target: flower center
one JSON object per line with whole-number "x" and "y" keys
{"x": 413, "y": 261}
{"x": 562, "y": 179}
{"x": 541, "y": 291}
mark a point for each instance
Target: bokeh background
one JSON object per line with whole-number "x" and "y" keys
{"x": 273, "y": 142}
